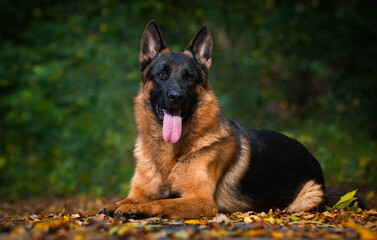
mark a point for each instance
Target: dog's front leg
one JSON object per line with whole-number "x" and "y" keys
{"x": 136, "y": 196}
{"x": 177, "y": 208}
{"x": 110, "y": 208}
{"x": 191, "y": 182}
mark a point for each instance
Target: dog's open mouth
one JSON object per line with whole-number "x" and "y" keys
{"x": 171, "y": 123}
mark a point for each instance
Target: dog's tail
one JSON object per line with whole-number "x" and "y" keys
{"x": 332, "y": 196}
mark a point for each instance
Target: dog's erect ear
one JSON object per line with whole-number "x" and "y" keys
{"x": 201, "y": 46}
{"x": 151, "y": 43}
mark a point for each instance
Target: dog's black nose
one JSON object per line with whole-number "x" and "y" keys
{"x": 175, "y": 96}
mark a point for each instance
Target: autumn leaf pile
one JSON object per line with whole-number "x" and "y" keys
{"x": 74, "y": 221}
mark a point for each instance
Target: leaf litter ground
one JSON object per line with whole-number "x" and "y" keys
{"x": 77, "y": 218}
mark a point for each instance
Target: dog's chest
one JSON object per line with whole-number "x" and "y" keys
{"x": 163, "y": 168}
{"x": 162, "y": 174}
{"x": 170, "y": 177}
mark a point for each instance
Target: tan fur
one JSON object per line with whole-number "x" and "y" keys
{"x": 310, "y": 196}
{"x": 142, "y": 58}
{"x": 164, "y": 51}
{"x": 206, "y": 63}
{"x": 188, "y": 53}
{"x": 189, "y": 169}
{"x": 228, "y": 199}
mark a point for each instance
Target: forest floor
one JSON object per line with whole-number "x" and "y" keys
{"x": 77, "y": 218}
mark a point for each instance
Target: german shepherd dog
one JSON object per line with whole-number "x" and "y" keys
{"x": 191, "y": 161}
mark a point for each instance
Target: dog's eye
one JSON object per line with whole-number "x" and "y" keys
{"x": 189, "y": 78}
{"x": 161, "y": 75}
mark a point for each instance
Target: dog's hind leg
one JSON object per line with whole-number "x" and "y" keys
{"x": 310, "y": 196}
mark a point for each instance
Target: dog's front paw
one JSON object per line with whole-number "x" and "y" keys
{"x": 131, "y": 211}
{"x": 108, "y": 210}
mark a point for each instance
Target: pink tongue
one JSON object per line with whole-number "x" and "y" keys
{"x": 172, "y": 127}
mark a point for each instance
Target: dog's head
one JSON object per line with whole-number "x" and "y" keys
{"x": 175, "y": 77}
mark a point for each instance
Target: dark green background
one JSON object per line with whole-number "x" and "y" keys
{"x": 69, "y": 72}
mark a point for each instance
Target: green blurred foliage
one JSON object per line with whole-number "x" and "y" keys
{"x": 69, "y": 72}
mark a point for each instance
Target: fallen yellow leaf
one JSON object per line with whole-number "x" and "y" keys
{"x": 366, "y": 233}
{"x": 247, "y": 220}
{"x": 271, "y": 220}
{"x": 41, "y": 226}
{"x": 253, "y": 233}
{"x": 327, "y": 214}
{"x": 125, "y": 228}
{"x": 277, "y": 235}
{"x": 192, "y": 221}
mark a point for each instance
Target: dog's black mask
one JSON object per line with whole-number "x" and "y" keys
{"x": 175, "y": 77}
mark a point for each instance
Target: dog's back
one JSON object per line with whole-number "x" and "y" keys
{"x": 277, "y": 168}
